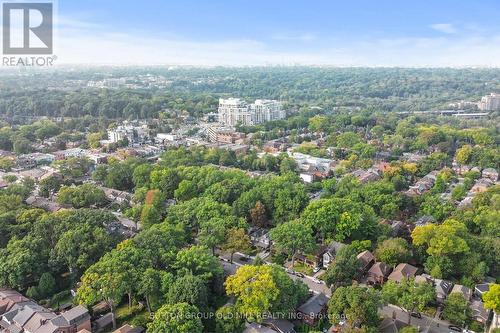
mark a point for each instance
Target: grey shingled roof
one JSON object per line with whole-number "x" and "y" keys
{"x": 314, "y": 305}
{"x": 75, "y": 313}
{"x": 24, "y": 314}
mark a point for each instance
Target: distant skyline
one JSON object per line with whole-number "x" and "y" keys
{"x": 424, "y": 33}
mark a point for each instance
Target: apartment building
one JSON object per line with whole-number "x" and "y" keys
{"x": 490, "y": 102}
{"x": 233, "y": 111}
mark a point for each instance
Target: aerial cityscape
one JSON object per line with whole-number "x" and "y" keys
{"x": 299, "y": 173}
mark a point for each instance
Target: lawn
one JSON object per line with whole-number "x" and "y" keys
{"x": 137, "y": 315}
{"x": 302, "y": 268}
{"x": 430, "y": 311}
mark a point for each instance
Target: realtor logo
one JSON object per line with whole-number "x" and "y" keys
{"x": 27, "y": 28}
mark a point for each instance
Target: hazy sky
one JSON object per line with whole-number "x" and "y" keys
{"x": 259, "y": 32}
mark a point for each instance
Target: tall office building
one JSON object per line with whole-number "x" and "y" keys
{"x": 233, "y": 111}
{"x": 490, "y": 103}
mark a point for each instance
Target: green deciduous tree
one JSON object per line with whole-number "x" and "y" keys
{"x": 340, "y": 218}
{"x": 344, "y": 267}
{"x": 189, "y": 289}
{"x": 176, "y": 318}
{"x": 237, "y": 241}
{"x": 292, "y": 237}
{"x": 409, "y": 295}
{"x": 492, "y": 298}
{"x": 393, "y": 251}
{"x": 197, "y": 260}
{"x": 358, "y": 304}
{"x": 229, "y": 320}
{"x": 264, "y": 289}
{"x": 456, "y": 309}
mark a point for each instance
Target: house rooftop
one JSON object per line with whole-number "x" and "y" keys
{"x": 366, "y": 257}
{"x": 458, "y": 288}
{"x": 380, "y": 269}
{"x": 282, "y": 325}
{"x": 75, "y": 313}
{"x": 403, "y": 271}
{"x": 314, "y": 305}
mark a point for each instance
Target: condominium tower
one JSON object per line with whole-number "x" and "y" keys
{"x": 234, "y": 111}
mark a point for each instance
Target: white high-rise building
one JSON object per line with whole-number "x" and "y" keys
{"x": 267, "y": 110}
{"x": 233, "y": 111}
{"x": 490, "y": 102}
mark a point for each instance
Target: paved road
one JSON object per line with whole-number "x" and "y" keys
{"x": 240, "y": 259}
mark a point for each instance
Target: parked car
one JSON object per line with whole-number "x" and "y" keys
{"x": 455, "y": 328}
{"x": 416, "y": 315}
{"x": 316, "y": 269}
{"x": 300, "y": 275}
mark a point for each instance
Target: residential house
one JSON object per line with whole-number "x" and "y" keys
{"x": 313, "y": 260}
{"x": 378, "y": 273}
{"x": 98, "y": 158}
{"x": 466, "y": 202}
{"x": 460, "y": 169}
{"x": 313, "y": 309}
{"x": 69, "y": 153}
{"x": 398, "y": 228}
{"x": 466, "y": 292}
{"x": 366, "y": 176}
{"x": 425, "y": 220}
{"x": 308, "y": 163}
{"x": 279, "y": 325}
{"x": 481, "y": 185}
{"x": 402, "y": 271}
{"x": 26, "y": 316}
{"x": 236, "y": 148}
{"x": 413, "y": 157}
{"x": 35, "y": 174}
{"x": 479, "y": 313}
{"x": 34, "y": 159}
{"x": 45, "y": 204}
{"x": 103, "y": 323}
{"x": 10, "y": 299}
{"x": 367, "y": 259}
{"x": 480, "y": 289}
{"x": 331, "y": 252}
{"x": 423, "y": 185}
{"x": 117, "y": 196}
{"x": 424, "y": 278}
{"x": 490, "y": 173}
{"x": 307, "y": 177}
{"x": 260, "y": 238}
{"x": 443, "y": 288}
{"x": 275, "y": 146}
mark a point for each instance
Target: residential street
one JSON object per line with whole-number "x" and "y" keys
{"x": 240, "y": 259}
{"x": 435, "y": 325}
